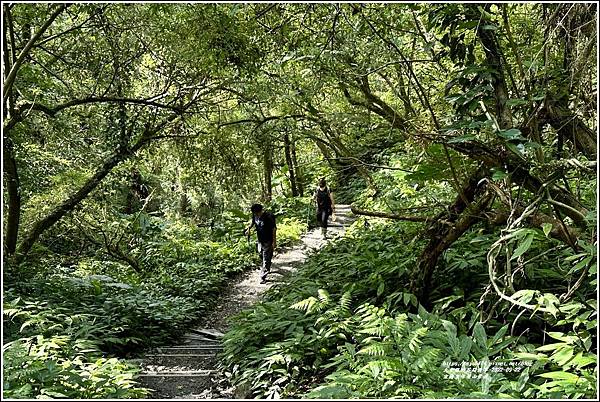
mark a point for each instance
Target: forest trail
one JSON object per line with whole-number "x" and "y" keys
{"x": 187, "y": 370}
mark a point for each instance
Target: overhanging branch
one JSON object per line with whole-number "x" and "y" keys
{"x": 264, "y": 120}
{"x": 52, "y": 111}
{"x": 386, "y": 215}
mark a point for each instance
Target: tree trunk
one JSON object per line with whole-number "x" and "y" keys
{"x": 184, "y": 203}
{"x": 116, "y": 252}
{"x": 446, "y": 229}
{"x": 11, "y": 177}
{"x": 569, "y": 127}
{"x": 67, "y": 205}
{"x": 494, "y": 60}
{"x": 299, "y": 175}
{"x": 268, "y": 172}
{"x": 421, "y": 287}
{"x": 290, "y": 163}
{"x": 11, "y": 173}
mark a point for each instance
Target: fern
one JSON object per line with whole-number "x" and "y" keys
{"x": 324, "y": 297}
{"x": 345, "y": 303}
{"x": 415, "y": 339}
{"x": 427, "y": 358}
{"x": 406, "y": 390}
{"x": 306, "y": 305}
{"x": 378, "y": 368}
{"x": 374, "y": 349}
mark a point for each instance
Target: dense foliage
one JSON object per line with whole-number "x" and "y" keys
{"x": 346, "y": 327}
{"x": 136, "y": 136}
{"x": 65, "y": 323}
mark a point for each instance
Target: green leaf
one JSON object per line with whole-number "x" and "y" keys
{"x": 560, "y": 375}
{"x": 54, "y": 394}
{"x": 523, "y": 246}
{"x": 581, "y": 361}
{"x": 562, "y": 356}
{"x": 239, "y": 213}
{"x": 461, "y": 138}
{"x": 374, "y": 349}
{"x": 581, "y": 264}
{"x": 380, "y": 288}
{"x": 546, "y": 228}
{"x": 480, "y": 335}
{"x": 499, "y": 334}
{"x": 550, "y": 301}
{"x": 516, "y": 102}
{"x": 532, "y": 145}
{"x": 450, "y": 327}
{"x": 524, "y": 295}
{"x": 530, "y": 356}
{"x": 468, "y": 24}
{"x": 499, "y": 175}
{"x": 523, "y": 379}
{"x": 516, "y": 149}
{"x": 511, "y": 134}
{"x": 500, "y": 346}
{"x": 305, "y": 305}
{"x": 552, "y": 346}
{"x": 465, "y": 346}
{"x": 559, "y": 336}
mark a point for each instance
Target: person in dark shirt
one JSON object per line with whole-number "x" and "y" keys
{"x": 266, "y": 231}
{"x": 323, "y": 197}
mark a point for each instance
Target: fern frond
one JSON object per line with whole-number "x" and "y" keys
{"x": 305, "y": 305}
{"x": 400, "y": 320}
{"x": 407, "y": 389}
{"x": 345, "y": 302}
{"x": 414, "y": 340}
{"x": 377, "y": 330}
{"x": 13, "y": 313}
{"x": 427, "y": 358}
{"x": 324, "y": 297}
{"x": 374, "y": 349}
{"x": 367, "y": 311}
{"x": 376, "y": 368}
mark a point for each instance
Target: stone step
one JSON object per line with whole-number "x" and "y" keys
{"x": 195, "y": 338}
{"x": 188, "y": 349}
{"x": 180, "y": 373}
{"x": 210, "y": 333}
{"x": 179, "y": 362}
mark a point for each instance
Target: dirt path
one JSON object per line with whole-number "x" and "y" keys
{"x": 187, "y": 370}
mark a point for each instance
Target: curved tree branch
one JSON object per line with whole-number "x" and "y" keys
{"x": 10, "y": 78}
{"x": 386, "y": 215}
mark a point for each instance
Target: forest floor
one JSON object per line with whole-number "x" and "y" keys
{"x": 187, "y": 370}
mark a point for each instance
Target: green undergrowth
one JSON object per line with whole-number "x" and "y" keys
{"x": 345, "y": 326}
{"x": 70, "y": 326}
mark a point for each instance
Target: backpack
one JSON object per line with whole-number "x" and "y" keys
{"x": 323, "y": 200}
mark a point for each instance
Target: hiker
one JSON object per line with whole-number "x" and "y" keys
{"x": 325, "y": 205}
{"x": 266, "y": 231}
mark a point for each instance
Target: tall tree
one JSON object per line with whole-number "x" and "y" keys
{"x": 81, "y": 68}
